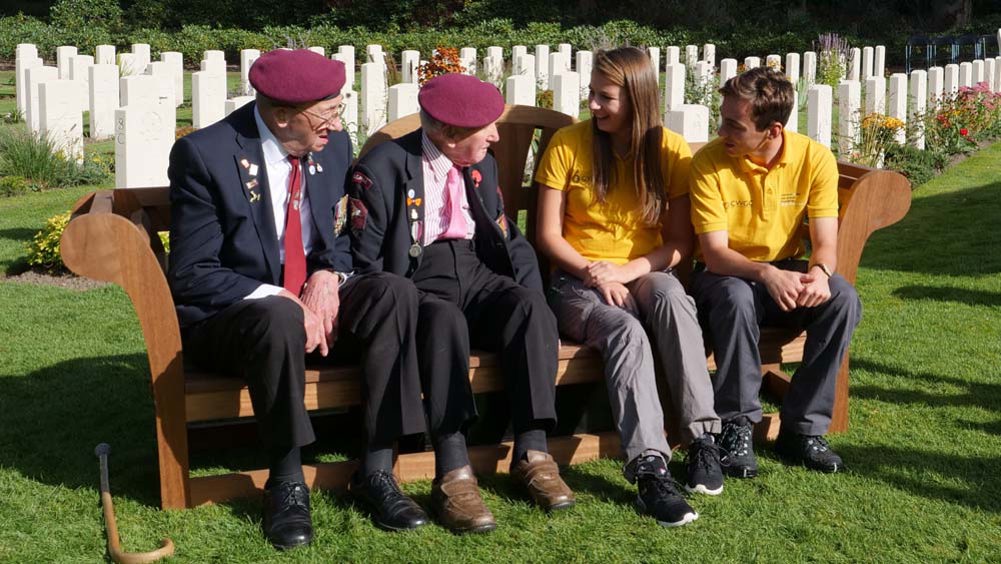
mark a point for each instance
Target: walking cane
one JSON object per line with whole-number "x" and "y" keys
{"x": 114, "y": 545}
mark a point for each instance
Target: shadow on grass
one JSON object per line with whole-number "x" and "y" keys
{"x": 930, "y": 240}
{"x": 978, "y": 394}
{"x": 930, "y": 475}
{"x": 949, "y": 294}
{"x": 22, "y": 234}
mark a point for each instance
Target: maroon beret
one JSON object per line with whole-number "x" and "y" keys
{"x": 296, "y": 77}
{"x": 461, "y": 100}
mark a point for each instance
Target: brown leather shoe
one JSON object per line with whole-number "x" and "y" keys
{"x": 455, "y": 499}
{"x": 540, "y": 474}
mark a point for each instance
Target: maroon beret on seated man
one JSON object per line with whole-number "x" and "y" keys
{"x": 260, "y": 270}
{"x": 428, "y": 206}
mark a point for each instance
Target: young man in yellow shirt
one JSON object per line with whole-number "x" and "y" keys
{"x": 750, "y": 190}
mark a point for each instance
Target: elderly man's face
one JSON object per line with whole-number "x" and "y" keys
{"x": 306, "y": 129}
{"x": 470, "y": 149}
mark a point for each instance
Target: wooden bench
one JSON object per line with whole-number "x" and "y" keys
{"x": 113, "y": 237}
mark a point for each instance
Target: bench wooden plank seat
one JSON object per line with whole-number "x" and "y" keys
{"x": 113, "y": 237}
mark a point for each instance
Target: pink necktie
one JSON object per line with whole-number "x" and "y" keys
{"x": 295, "y": 254}
{"x": 454, "y": 186}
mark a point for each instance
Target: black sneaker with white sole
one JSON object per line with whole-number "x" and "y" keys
{"x": 659, "y": 495}
{"x": 705, "y": 474}
{"x": 737, "y": 450}
{"x": 812, "y": 451}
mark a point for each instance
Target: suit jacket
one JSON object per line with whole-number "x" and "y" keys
{"x": 223, "y": 242}
{"x": 387, "y": 215}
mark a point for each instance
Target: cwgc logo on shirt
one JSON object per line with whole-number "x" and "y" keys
{"x": 737, "y": 204}
{"x": 787, "y": 199}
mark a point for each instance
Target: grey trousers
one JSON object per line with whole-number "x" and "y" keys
{"x": 666, "y": 326}
{"x": 734, "y": 309}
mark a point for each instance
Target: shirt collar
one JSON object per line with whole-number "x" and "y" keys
{"x": 273, "y": 151}
{"x": 437, "y": 160}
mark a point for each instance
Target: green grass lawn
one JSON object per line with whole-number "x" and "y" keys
{"x": 923, "y": 450}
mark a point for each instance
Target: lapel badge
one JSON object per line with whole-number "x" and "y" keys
{"x": 415, "y": 250}
{"x": 416, "y": 230}
{"x": 311, "y": 163}
{"x": 244, "y": 163}
{"x": 477, "y": 178}
{"x": 252, "y": 170}
{"x": 413, "y": 214}
{"x": 411, "y": 193}
{"x": 411, "y": 201}
{"x": 254, "y": 196}
{"x": 252, "y": 184}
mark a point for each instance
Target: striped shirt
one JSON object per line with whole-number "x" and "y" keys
{"x": 435, "y": 166}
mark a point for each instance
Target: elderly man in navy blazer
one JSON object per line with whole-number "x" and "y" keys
{"x": 428, "y": 206}
{"x": 261, "y": 272}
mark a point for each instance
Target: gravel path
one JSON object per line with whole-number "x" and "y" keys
{"x": 68, "y": 281}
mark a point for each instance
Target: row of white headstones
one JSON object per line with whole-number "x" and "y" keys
{"x": 134, "y": 99}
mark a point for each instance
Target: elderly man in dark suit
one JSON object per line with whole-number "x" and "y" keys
{"x": 428, "y": 207}
{"x": 261, "y": 273}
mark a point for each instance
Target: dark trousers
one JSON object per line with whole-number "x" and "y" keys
{"x": 733, "y": 310}
{"x": 264, "y": 342}
{"x": 462, "y": 302}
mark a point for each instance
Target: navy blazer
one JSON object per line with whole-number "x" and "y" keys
{"x": 223, "y": 242}
{"x": 387, "y": 215}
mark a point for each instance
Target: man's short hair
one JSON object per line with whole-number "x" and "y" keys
{"x": 432, "y": 126}
{"x": 769, "y": 92}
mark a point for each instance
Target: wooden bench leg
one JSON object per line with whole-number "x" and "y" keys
{"x": 172, "y": 436}
{"x": 774, "y": 380}
{"x": 839, "y": 421}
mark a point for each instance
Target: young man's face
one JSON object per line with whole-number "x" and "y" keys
{"x": 740, "y": 136}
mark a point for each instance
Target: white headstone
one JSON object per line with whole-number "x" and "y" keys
{"x": 997, "y": 73}
{"x": 80, "y": 74}
{"x": 141, "y": 51}
{"x": 818, "y": 114}
{"x": 21, "y": 66}
{"x": 966, "y": 74}
{"x": 654, "y": 53}
{"x": 709, "y": 54}
{"x": 104, "y": 55}
{"x": 585, "y": 62}
{"x": 897, "y": 103}
{"x": 25, "y": 50}
{"x": 139, "y": 90}
{"x": 672, "y": 55}
{"x": 214, "y": 55}
{"x": 497, "y": 53}
{"x": 936, "y": 85}
{"x": 674, "y": 87}
{"x": 751, "y": 63}
{"x": 689, "y": 120}
{"x": 691, "y": 56}
{"x": 349, "y": 115}
{"x": 978, "y": 71}
{"x": 142, "y": 144}
{"x": 520, "y": 90}
{"x": 703, "y": 74}
{"x": 990, "y": 68}
{"x": 63, "y": 55}
{"x": 373, "y": 98}
{"x": 372, "y": 52}
{"x": 409, "y": 60}
{"x": 792, "y": 68}
{"x": 208, "y": 100}
{"x": 774, "y": 62}
{"x": 493, "y": 67}
{"x": 402, "y": 100}
{"x": 566, "y": 92}
{"x": 951, "y": 80}
{"x": 467, "y": 58}
{"x": 849, "y": 116}
{"x": 105, "y": 98}
{"x": 567, "y": 50}
{"x": 237, "y": 102}
{"x": 875, "y": 95}
{"x": 518, "y": 51}
{"x": 867, "y": 63}
{"x": 727, "y": 70}
{"x": 879, "y": 61}
{"x": 854, "y": 64}
{"x": 556, "y": 65}
{"x": 342, "y": 58}
{"x": 525, "y": 65}
{"x": 809, "y": 68}
{"x": 792, "y": 124}
{"x": 318, "y": 50}
{"x": 60, "y": 119}
{"x": 918, "y": 102}
{"x": 247, "y": 58}
{"x": 128, "y": 65}
{"x": 347, "y": 52}
{"x": 175, "y": 60}
{"x": 542, "y": 66}
{"x": 33, "y": 76}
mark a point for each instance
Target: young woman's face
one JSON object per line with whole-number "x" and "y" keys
{"x": 609, "y": 105}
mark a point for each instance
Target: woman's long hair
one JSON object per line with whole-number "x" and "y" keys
{"x": 630, "y": 68}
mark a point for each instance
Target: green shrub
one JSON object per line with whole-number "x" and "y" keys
{"x": 43, "y": 251}
{"x": 34, "y": 158}
{"x": 13, "y": 185}
{"x": 917, "y": 165}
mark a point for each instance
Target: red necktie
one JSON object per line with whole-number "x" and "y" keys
{"x": 295, "y": 255}
{"x": 454, "y": 185}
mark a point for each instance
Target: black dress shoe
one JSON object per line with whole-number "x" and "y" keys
{"x": 390, "y": 508}
{"x": 287, "y": 522}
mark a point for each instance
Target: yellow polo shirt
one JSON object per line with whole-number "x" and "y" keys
{"x": 762, "y": 210}
{"x": 613, "y": 230}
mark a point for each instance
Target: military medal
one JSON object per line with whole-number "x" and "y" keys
{"x": 415, "y": 250}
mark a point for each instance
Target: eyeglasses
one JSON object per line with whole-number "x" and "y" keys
{"x": 325, "y": 121}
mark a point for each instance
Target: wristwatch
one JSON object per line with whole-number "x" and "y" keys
{"x": 823, "y": 268}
